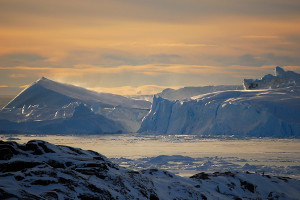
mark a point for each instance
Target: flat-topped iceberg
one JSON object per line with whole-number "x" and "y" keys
{"x": 257, "y": 113}
{"x": 264, "y": 113}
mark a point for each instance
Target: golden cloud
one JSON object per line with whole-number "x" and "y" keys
{"x": 129, "y": 90}
{"x": 260, "y": 37}
{"x": 182, "y": 45}
{"x": 292, "y": 68}
{"x": 18, "y": 75}
{"x": 79, "y": 70}
{"x": 23, "y": 86}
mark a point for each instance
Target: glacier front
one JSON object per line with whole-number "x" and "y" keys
{"x": 257, "y": 113}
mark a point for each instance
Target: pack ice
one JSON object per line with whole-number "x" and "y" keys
{"x": 259, "y": 113}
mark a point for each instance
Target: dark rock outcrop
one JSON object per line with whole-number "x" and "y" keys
{"x": 40, "y": 170}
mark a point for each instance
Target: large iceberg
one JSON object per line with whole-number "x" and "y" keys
{"x": 47, "y": 106}
{"x": 280, "y": 79}
{"x": 257, "y": 113}
{"x": 265, "y": 113}
{"x": 82, "y": 121}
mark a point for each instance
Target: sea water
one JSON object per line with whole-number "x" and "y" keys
{"x": 186, "y": 154}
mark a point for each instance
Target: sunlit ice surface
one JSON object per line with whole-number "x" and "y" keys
{"x": 186, "y": 155}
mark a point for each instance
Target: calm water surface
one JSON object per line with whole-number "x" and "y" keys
{"x": 263, "y": 151}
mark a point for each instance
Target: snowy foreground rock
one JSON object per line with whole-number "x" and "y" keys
{"x": 40, "y": 170}
{"x": 258, "y": 113}
{"x": 50, "y": 107}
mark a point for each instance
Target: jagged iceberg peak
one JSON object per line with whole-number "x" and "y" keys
{"x": 279, "y": 71}
{"x": 281, "y": 79}
{"x": 42, "y": 80}
{"x": 46, "y": 83}
{"x": 50, "y": 84}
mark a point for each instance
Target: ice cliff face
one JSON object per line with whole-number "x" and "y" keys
{"x": 280, "y": 79}
{"x": 40, "y": 170}
{"x": 265, "y": 113}
{"x": 46, "y": 103}
{"x": 259, "y": 113}
{"x": 50, "y": 107}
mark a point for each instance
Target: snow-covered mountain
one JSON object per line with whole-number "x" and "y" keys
{"x": 280, "y": 79}
{"x": 48, "y": 103}
{"x": 40, "y": 170}
{"x": 187, "y": 92}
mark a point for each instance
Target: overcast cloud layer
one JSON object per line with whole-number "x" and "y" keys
{"x": 141, "y": 46}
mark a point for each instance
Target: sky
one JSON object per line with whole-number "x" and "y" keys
{"x": 134, "y": 47}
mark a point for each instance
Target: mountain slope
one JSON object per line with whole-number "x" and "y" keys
{"x": 268, "y": 113}
{"x": 40, "y": 170}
